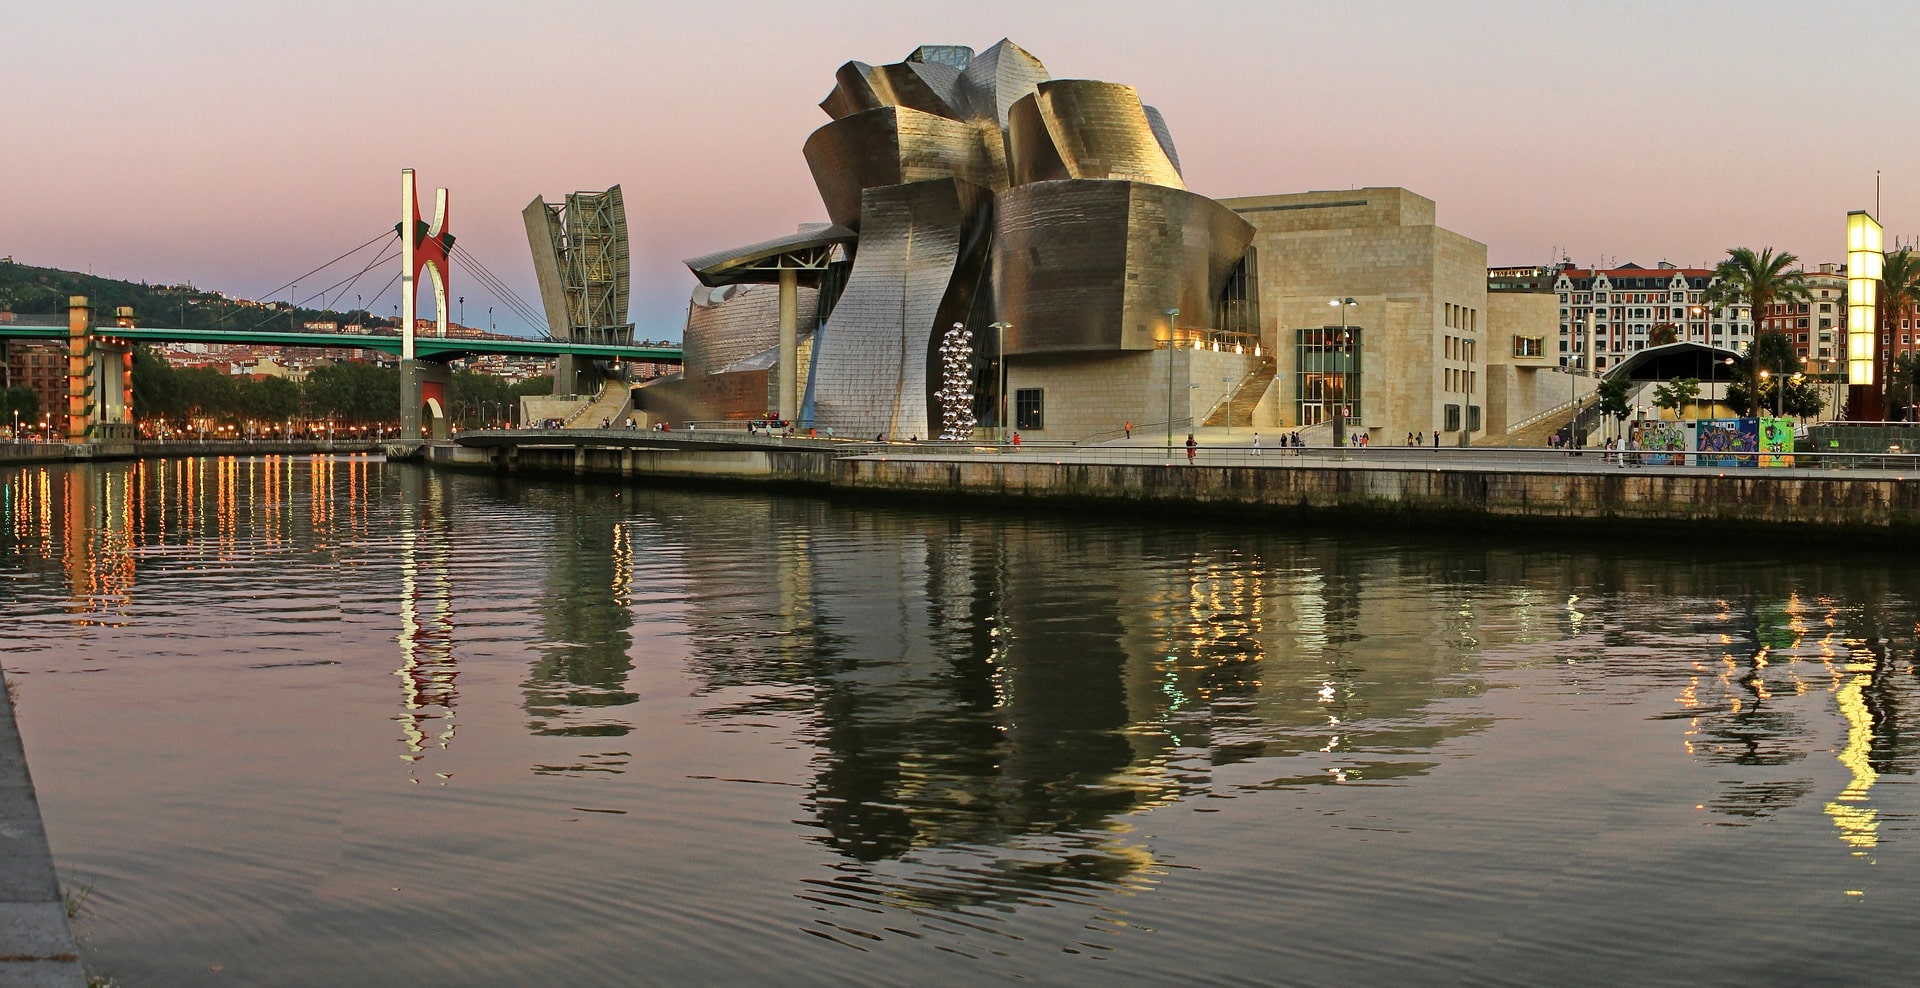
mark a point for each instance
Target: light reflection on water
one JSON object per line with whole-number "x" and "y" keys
{"x": 331, "y": 720}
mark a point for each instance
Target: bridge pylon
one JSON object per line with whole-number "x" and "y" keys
{"x": 423, "y": 245}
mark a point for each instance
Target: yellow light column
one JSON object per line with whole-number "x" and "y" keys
{"x": 1865, "y": 259}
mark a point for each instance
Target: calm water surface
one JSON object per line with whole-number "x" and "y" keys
{"x": 332, "y": 721}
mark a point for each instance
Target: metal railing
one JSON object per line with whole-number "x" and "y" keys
{"x": 1899, "y": 466}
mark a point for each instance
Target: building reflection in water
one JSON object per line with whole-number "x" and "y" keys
{"x": 428, "y": 670}
{"x": 585, "y": 639}
{"x": 1016, "y": 693}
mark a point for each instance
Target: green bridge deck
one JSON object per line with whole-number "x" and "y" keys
{"x": 426, "y": 347}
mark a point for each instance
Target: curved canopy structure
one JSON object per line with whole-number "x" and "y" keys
{"x": 1674, "y": 360}
{"x": 808, "y": 250}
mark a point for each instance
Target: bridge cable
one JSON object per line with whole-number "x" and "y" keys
{"x": 500, "y": 290}
{"x": 233, "y": 312}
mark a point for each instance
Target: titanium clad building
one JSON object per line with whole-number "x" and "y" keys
{"x": 1049, "y": 217}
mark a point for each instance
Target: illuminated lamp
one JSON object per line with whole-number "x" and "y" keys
{"x": 1865, "y": 259}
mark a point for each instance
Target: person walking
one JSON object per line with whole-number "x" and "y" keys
{"x": 1129, "y": 428}
{"x": 1256, "y": 444}
{"x": 1192, "y": 448}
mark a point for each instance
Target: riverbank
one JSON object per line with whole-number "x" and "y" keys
{"x": 172, "y": 449}
{"x": 1463, "y": 490}
{"x": 36, "y": 942}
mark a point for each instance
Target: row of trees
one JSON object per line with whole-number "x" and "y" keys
{"x": 348, "y": 393}
{"x": 1759, "y": 279}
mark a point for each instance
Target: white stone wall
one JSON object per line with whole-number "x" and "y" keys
{"x": 1092, "y": 394}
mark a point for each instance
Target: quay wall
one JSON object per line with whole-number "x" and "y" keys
{"x": 167, "y": 449}
{"x": 1466, "y": 497}
{"x": 1730, "y": 504}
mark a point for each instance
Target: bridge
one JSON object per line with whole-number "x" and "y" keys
{"x": 100, "y": 358}
{"x": 426, "y": 347}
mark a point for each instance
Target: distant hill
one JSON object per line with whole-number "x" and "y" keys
{"x": 29, "y": 290}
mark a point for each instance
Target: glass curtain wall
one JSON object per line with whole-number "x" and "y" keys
{"x": 1327, "y": 374}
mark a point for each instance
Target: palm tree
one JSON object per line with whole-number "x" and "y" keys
{"x": 1899, "y": 290}
{"x": 1756, "y": 281}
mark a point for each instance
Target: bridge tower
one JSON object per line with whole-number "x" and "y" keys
{"x": 423, "y": 385}
{"x": 99, "y": 378}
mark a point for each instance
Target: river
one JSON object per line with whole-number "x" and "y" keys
{"x": 309, "y": 720}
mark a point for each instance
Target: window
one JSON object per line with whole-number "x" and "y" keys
{"x": 1028, "y": 407}
{"x": 1473, "y": 418}
{"x": 1453, "y": 418}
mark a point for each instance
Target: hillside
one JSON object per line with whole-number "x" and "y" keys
{"x": 27, "y": 289}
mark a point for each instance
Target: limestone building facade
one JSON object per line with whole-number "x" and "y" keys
{"x": 1412, "y": 357}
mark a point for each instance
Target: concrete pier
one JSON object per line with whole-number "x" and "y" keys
{"x": 36, "y": 944}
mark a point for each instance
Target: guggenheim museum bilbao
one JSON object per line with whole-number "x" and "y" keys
{"x": 1046, "y": 223}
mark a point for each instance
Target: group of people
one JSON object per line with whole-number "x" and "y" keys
{"x": 1420, "y": 439}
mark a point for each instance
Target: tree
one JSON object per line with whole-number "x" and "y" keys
{"x": 1676, "y": 393}
{"x": 1803, "y": 398}
{"x": 19, "y": 399}
{"x": 1756, "y": 281}
{"x": 1612, "y": 393}
{"x": 1903, "y": 383}
{"x": 1899, "y": 290}
{"x": 1663, "y": 334}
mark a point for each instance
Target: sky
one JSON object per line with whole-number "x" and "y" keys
{"x": 239, "y": 144}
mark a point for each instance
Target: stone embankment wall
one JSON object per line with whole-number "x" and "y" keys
{"x": 155, "y": 449}
{"x": 1734, "y": 504}
{"x": 1640, "y": 500}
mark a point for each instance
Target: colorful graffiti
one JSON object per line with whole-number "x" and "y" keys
{"x": 1661, "y": 443}
{"x": 1723, "y": 442}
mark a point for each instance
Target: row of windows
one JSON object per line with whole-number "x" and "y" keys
{"x": 1529, "y": 346}
{"x": 1461, "y": 317}
{"x": 1461, "y": 380}
{"x": 1584, "y": 298}
{"x": 1459, "y": 348}
{"x": 1451, "y": 414}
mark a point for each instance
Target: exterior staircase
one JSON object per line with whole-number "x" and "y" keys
{"x": 1239, "y": 408}
{"x": 610, "y": 404}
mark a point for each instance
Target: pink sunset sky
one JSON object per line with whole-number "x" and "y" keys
{"x": 239, "y": 144}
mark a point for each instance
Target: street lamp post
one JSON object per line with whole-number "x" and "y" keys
{"x": 1172, "y": 314}
{"x": 1000, "y": 375}
{"x": 1340, "y": 403}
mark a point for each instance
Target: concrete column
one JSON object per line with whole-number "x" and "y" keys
{"x": 789, "y": 345}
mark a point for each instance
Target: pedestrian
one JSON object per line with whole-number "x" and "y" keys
{"x": 1436, "y": 439}
{"x": 1420, "y": 439}
{"x": 1192, "y": 448}
{"x": 605, "y": 422}
{"x": 1129, "y": 428}
{"x": 1409, "y": 438}
{"x": 829, "y": 432}
{"x": 1016, "y": 438}
{"x": 1256, "y": 444}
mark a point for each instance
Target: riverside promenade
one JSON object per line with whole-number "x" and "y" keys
{"x": 1856, "y": 497}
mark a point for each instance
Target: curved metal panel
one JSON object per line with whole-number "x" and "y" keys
{"x": 895, "y": 145}
{"x": 1100, "y": 130}
{"x": 851, "y": 92}
{"x": 727, "y": 325}
{"x": 1000, "y": 77}
{"x": 1163, "y": 135}
{"x": 1031, "y": 156}
{"x": 1083, "y": 264}
{"x": 921, "y": 256}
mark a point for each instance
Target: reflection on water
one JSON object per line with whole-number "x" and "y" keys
{"x": 1025, "y": 742}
